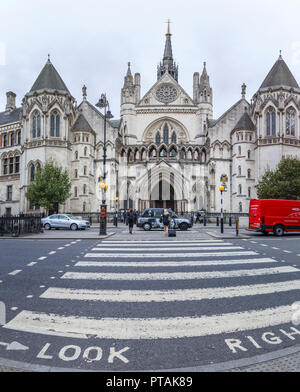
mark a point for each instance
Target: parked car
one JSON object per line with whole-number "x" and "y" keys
{"x": 151, "y": 219}
{"x": 277, "y": 216}
{"x": 63, "y": 221}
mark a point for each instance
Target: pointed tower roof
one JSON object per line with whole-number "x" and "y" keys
{"x": 49, "y": 79}
{"x": 245, "y": 123}
{"x": 204, "y": 79}
{"x": 81, "y": 124}
{"x": 168, "y": 64}
{"x": 280, "y": 75}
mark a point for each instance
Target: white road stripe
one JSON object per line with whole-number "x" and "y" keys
{"x": 15, "y": 272}
{"x": 185, "y": 245}
{"x": 159, "y": 242}
{"x": 168, "y": 295}
{"x": 52, "y": 252}
{"x": 157, "y": 264}
{"x": 31, "y": 264}
{"x": 42, "y": 258}
{"x": 164, "y": 255}
{"x": 148, "y": 328}
{"x": 177, "y": 275}
{"x": 168, "y": 249}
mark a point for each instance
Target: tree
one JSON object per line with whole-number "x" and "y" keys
{"x": 50, "y": 186}
{"x": 282, "y": 183}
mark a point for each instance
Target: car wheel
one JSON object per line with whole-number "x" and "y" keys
{"x": 147, "y": 226}
{"x": 73, "y": 226}
{"x": 183, "y": 227}
{"x": 47, "y": 226}
{"x": 278, "y": 230}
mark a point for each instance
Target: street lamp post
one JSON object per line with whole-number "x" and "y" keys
{"x": 103, "y": 103}
{"x": 221, "y": 189}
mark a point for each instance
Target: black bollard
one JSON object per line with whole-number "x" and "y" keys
{"x": 230, "y": 221}
{"x": 218, "y": 221}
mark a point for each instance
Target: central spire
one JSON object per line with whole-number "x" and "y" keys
{"x": 168, "y": 64}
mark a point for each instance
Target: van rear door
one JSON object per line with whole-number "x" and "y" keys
{"x": 254, "y": 215}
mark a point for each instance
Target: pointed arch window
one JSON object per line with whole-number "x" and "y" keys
{"x": 271, "y": 122}
{"x": 166, "y": 134}
{"x": 54, "y": 124}
{"x": 36, "y": 125}
{"x": 290, "y": 121}
{"x": 157, "y": 138}
{"x": 182, "y": 154}
{"x": 163, "y": 153}
{"x": 32, "y": 172}
{"x": 173, "y": 153}
{"x": 174, "y": 138}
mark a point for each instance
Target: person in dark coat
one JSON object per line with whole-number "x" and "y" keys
{"x": 130, "y": 218}
{"x": 166, "y": 221}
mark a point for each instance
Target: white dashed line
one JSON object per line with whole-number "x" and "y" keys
{"x": 52, "y": 252}
{"x": 287, "y": 251}
{"x": 273, "y": 247}
{"x": 42, "y": 258}
{"x": 29, "y": 296}
{"x": 14, "y": 308}
{"x": 14, "y": 272}
{"x": 60, "y": 248}
{"x": 31, "y": 264}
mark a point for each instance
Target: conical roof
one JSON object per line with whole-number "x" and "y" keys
{"x": 280, "y": 75}
{"x": 244, "y": 123}
{"x": 49, "y": 79}
{"x": 81, "y": 124}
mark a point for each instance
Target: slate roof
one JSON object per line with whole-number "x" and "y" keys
{"x": 280, "y": 75}
{"x": 81, "y": 124}
{"x": 49, "y": 79}
{"x": 7, "y": 118}
{"x": 245, "y": 123}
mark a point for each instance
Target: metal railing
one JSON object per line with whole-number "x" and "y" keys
{"x": 20, "y": 224}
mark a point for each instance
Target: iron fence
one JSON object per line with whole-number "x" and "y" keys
{"x": 16, "y": 225}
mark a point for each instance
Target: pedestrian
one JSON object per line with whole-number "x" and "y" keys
{"x": 130, "y": 219}
{"x": 166, "y": 221}
{"x": 126, "y": 217}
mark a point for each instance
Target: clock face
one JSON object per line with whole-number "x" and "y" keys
{"x": 166, "y": 93}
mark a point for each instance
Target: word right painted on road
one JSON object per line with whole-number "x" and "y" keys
{"x": 267, "y": 338}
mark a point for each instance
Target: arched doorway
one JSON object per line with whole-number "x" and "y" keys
{"x": 162, "y": 194}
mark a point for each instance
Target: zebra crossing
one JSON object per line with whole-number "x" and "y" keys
{"x": 162, "y": 291}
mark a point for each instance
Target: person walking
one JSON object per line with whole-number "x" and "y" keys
{"x": 166, "y": 221}
{"x": 130, "y": 218}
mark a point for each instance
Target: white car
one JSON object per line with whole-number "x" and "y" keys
{"x": 63, "y": 221}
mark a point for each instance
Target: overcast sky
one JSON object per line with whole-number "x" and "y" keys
{"x": 91, "y": 41}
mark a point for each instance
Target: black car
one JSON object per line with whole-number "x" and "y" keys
{"x": 151, "y": 219}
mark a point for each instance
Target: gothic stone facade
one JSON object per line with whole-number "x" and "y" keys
{"x": 165, "y": 151}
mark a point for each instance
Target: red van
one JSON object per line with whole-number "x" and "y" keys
{"x": 277, "y": 216}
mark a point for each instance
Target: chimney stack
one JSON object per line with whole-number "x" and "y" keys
{"x": 10, "y": 102}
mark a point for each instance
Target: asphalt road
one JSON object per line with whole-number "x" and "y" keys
{"x": 170, "y": 304}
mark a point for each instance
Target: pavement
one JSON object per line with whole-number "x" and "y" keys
{"x": 286, "y": 360}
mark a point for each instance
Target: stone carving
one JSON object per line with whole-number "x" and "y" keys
{"x": 166, "y": 93}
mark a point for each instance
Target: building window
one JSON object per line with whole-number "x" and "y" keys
{"x": 5, "y": 166}
{"x": 19, "y": 137}
{"x": 36, "y": 125}
{"x": 54, "y": 124}
{"x": 240, "y": 150}
{"x": 5, "y": 141}
{"x": 75, "y": 191}
{"x": 85, "y": 151}
{"x": 249, "y": 192}
{"x": 84, "y": 170}
{"x": 239, "y": 170}
{"x": 12, "y": 139}
{"x": 290, "y": 122}
{"x": 271, "y": 122}
{"x": 240, "y": 207}
{"x": 84, "y": 189}
{"x": 166, "y": 134}
{"x": 83, "y": 206}
{"x": 76, "y": 155}
{"x": 240, "y": 189}
{"x": 9, "y": 192}
{"x": 157, "y": 139}
{"x": 173, "y": 153}
{"x": 249, "y": 154}
{"x": 249, "y": 173}
{"x": 17, "y": 164}
{"x": 174, "y": 138}
{"x": 32, "y": 172}
{"x": 76, "y": 173}
{"x": 163, "y": 153}
{"x": 11, "y": 165}
{"x": 182, "y": 154}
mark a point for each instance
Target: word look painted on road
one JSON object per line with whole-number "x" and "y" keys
{"x": 72, "y": 352}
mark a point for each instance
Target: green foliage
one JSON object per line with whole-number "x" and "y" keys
{"x": 51, "y": 185}
{"x": 282, "y": 183}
